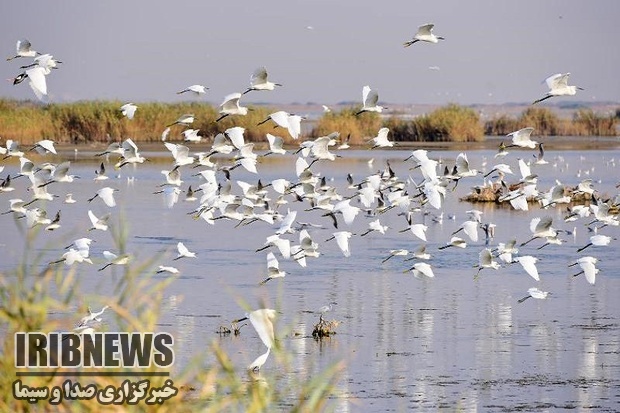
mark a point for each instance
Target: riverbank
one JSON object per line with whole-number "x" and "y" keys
{"x": 552, "y": 143}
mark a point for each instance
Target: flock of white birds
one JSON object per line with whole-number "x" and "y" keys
{"x": 216, "y": 195}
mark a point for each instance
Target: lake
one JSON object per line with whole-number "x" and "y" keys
{"x": 448, "y": 342}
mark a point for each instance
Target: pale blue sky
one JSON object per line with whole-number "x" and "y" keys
{"x": 323, "y": 51}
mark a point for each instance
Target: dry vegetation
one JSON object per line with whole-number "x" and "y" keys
{"x": 585, "y": 122}
{"x": 101, "y": 121}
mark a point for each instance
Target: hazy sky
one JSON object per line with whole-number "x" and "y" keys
{"x": 322, "y": 51}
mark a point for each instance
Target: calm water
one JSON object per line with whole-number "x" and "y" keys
{"x": 448, "y": 342}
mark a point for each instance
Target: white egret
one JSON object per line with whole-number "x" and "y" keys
{"x": 273, "y": 268}
{"x": 180, "y": 153}
{"x": 259, "y": 81}
{"x": 183, "y": 252}
{"x": 230, "y": 106}
{"x": 130, "y": 154}
{"x": 191, "y": 135}
{"x": 92, "y": 316}
{"x": 44, "y": 147}
{"x": 454, "y": 242}
{"x": 521, "y": 138}
{"x": 275, "y": 145}
{"x": 285, "y": 120}
{"x": 82, "y": 245}
{"x": 369, "y": 101}
{"x": 114, "y": 259}
{"x": 534, "y": 293}
{"x": 424, "y": 34}
{"x": 107, "y": 196}
{"x": 11, "y": 149}
{"x": 420, "y": 269}
{"x": 36, "y": 81}
{"x": 328, "y": 308}
{"x": 558, "y": 86}
{"x": 597, "y": 240}
{"x": 375, "y": 226}
{"x": 283, "y": 245}
{"x": 185, "y": 120}
{"x": 419, "y": 230}
{"x": 129, "y": 110}
{"x": 195, "y": 89}
{"x": 500, "y": 167}
{"x": 308, "y": 246}
{"x": 46, "y": 61}
{"x": 554, "y": 196}
{"x": 168, "y": 269}
{"x": 16, "y": 206}
{"x": 348, "y": 211}
{"x": 342, "y": 239}
{"x": 485, "y": 260}
{"x": 396, "y": 253}
{"x": 98, "y": 223}
{"x": 23, "y": 48}
{"x": 381, "y": 140}
{"x": 541, "y": 228}
{"x": 470, "y": 228}
{"x": 588, "y": 268}
{"x": 114, "y": 147}
{"x": 528, "y": 263}
{"x": 71, "y": 257}
{"x": 262, "y": 321}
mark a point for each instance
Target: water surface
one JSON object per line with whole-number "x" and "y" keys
{"x": 447, "y": 342}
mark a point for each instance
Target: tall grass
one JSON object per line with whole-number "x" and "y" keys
{"x": 585, "y": 122}
{"x": 88, "y": 122}
{"x": 359, "y": 128}
{"x": 450, "y": 123}
{"x": 101, "y": 122}
{"x": 28, "y": 295}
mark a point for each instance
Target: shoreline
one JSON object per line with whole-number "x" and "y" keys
{"x": 557, "y": 143}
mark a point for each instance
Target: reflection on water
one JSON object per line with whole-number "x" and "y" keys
{"x": 444, "y": 343}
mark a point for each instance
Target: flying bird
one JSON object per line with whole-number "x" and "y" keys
{"x": 184, "y": 252}
{"x": 258, "y": 81}
{"x": 424, "y": 34}
{"x": 558, "y": 86}
{"x": 230, "y": 106}
{"x": 370, "y": 98}
{"x": 23, "y": 48}
{"x": 262, "y": 321}
{"x": 534, "y": 293}
{"x": 128, "y": 110}
{"x": 195, "y": 89}
{"x": 36, "y": 81}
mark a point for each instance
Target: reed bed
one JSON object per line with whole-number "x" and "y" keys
{"x": 88, "y": 122}
{"x": 585, "y": 122}
{"x": 452, "y": 123}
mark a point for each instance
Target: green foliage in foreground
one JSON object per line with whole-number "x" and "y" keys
{"x": 28, "y": 295}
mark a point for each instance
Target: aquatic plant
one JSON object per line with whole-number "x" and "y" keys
{"x": 545, "y": 122}
{"x": 451, "y": 123}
